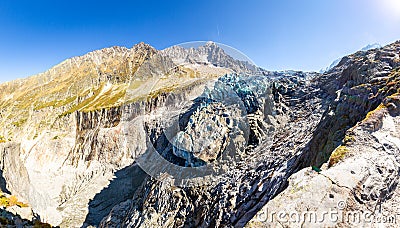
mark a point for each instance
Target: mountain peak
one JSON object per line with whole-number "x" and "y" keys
{"x": 371, "y": 46}
{"x": 92, "y": 128}
{"x": 211, "y": 43}
{"x": 144, "y": 46}
{"x": 337, "y": 61}
{"x": 209, "y": 53}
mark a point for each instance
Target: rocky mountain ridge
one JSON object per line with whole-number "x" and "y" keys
{"x": 211, "y": 53}
{"x": 188, "y": 137}
{"x": 71, "y": 106}
{"x": 336, "y": 61}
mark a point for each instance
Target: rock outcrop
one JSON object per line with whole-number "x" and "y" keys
{"x": 64, "y": 133}
{"x": 193, "y": 137}
{"x": 357, "y": 185}
{"x": 311, "y": 118}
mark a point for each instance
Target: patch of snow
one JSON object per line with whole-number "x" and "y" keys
{"x": 371, "y": 46}
{"x": 333, "y": 64}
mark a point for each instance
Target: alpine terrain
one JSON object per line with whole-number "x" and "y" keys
{"x": 192, "y": 137}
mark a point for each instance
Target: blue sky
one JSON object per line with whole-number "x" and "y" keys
{"x": 277, "y": 35}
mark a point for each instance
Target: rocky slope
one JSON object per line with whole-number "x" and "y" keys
{"x": 192, "y": 137}
{"x": 358, "y": 183}
{"x": 309, "y": 118}
{"x": 64, "y": 132}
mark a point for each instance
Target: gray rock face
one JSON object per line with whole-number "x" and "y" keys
{"x": 261, "y": 116}
{"x": 310, "y": 120}
{"x": 210, "y": 53}
{"x": 206, "y": 135}
{"x": 163, "y": 142}
{"x": 360, "y": 190}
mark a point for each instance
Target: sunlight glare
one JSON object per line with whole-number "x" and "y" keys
{"x": 391, "y": 8}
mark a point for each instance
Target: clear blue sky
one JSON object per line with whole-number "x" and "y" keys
{"x": 277, "y": 35}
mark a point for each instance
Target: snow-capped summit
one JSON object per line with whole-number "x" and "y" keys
{"x": 371, "y": 46}
{"x": 209, "y": 53}
{"x": 336, "y": 62}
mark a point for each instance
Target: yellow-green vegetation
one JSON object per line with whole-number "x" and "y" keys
{"x": 297, "y": 188}
{"x": 135, "y": 84}
{"x": 108, "y": 99}
{"x": 161, "y": 91}
{"x": 389, "y": 90}
{"x": 254, "y": 223}
{"x": 338, "y": 155}
{"x": 85, "y": 102}
{"x": 55, "y": 103}
{"x": 371, "y": 113}
{"x": 395, "y": 95}
{"x": 348, "y": 139}
{"x": 10, "y": 201}
{"x": 2, "y": 139}
{"x": 101, "y": 97}
{"x": 389, "y": 83}
{"x": 64, "y": 83}
{"x": 76, "y": 84}
{"x": 20, "y": 122}
{"x": 97, "y": 81}
{"x": 165, "y": 87}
